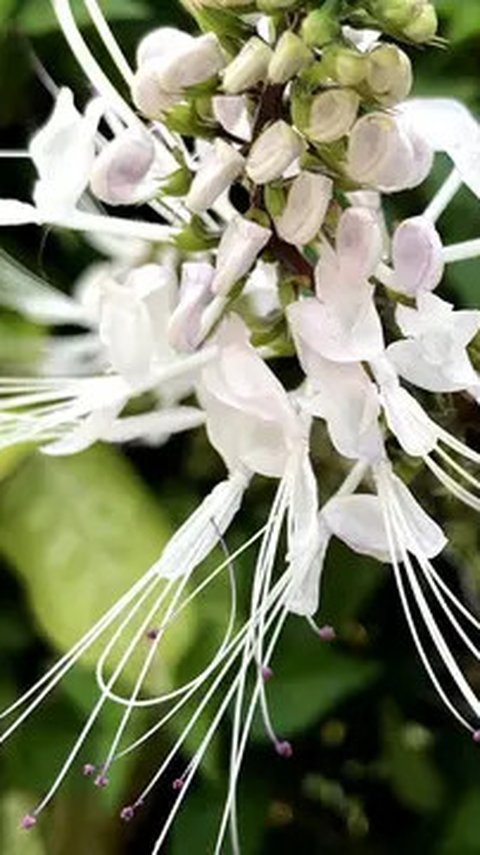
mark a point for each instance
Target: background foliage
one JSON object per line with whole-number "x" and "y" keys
{"x": 378, "y": 767}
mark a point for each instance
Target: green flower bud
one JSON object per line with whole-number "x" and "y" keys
{"x": 346, "y": 66}
{"x": 290, "y": 57}
{"x": 423, "y": 27}
{"x": 389, "y": 74}
{"x": 319, "y": 28}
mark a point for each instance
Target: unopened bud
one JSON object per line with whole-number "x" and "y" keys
{"x": 241, "y": 243}
{"x": 417, "y": 256}
{"x": 220, "y": 169}
{"x": 194, "y": 296}
{"x": 424, "y": 26}
{"x": 332, "y": 114}
{"x": 248, "y": 68}
{"x": 162, "y": 43}
{"x": 289, "y": 58}
{"x": 273, "y": 152}
{"x": 119, "y": 173}
{"x": 307, "y": 204}
{"x": 389, "y": 74}
{"x": 148, "y": 95}
{"x": 199, "y": 61}
{"x": 320, "y": 27}
{"x": 345, "y": 65}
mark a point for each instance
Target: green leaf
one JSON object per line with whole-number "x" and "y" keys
{"x": 80, "y": 531}
{"x": 308, "y": 687}
{"x": 461, "y": 834}
{"x": 38, "y": 19}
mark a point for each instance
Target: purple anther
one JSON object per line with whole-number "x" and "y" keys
{"x": 327, "y": 633}
{"x": 476, "y": 735}
{"x": 88, "y": 770}
{"x": 284, "y": 749}
{"x": 101, "y": 781}
{"x": 266, "y": 673}
{"x": 127, "y": 813}
{"x": 152, "y": 634}
{"x": 28, "y": 822}
{"x": 177, "y": 784}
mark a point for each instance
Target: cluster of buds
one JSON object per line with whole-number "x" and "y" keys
{"x": 261, "y": 147}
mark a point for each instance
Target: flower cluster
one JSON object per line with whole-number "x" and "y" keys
{"x": 259, "y": 150}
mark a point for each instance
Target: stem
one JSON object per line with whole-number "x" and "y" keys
{"x": 462, "y": 251}
{"x": 444, "y": 196}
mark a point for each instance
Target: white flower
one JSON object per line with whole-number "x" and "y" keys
{"x": 332, "y": 114}
{"x": 63, "y": 153}
{"x": 222, "y": 166}
{"x": 184, "y": 327}
{"x": 434, "y": 355}
{"x": 417, "y": 255}
{"x": 305, "y": 210}
{"x": 387, "y": 154}
{"x": 181, "y": 62}
{"x": 261, "y": 289}
{"x": 241, "y": 243}
{"x": 273, "y": 152}
{"x": 448, "y": 126}
{"x": 127, "y": 170}
{"x": 248, "y": 68}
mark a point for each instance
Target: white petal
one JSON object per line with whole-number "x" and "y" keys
{"x": 358, "y": 521}
{"x": 233, "y": 114}
{"x": 410, "y": 361}
{"x": 202, "y": 531}
{"x": 14, "y": 213}
{"x": 306, "y": 208}
{"x": 425, "y": 536}
{"x": 417, "y": 254}
{"x": 359, "y": 243}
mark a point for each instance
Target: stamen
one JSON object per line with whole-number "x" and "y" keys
{"x": 101, "y": 781}
{"x": 266, "y": 673}
{"x": 28, "y": 822}
{"x": 152, "y": 634}
{"x": 284, "y": 749}
{"x": 476, "y": 735}
{"x": 325, "y": 633}
{"x": 88, "y": 770}
{"x": 127, "y": 813}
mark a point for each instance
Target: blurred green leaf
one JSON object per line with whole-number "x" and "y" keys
{"x": 461, "y": 836}
{"x": 12, "y": 808}
{"x": 308, "y": 686}
{"x": 38, "y": 19}
{"x": 80, "y": 531}
{"x": 411, "y": 770}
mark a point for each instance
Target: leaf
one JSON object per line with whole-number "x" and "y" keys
{"x": 413, "y": 775}
{"x": 308, "y": 686}
{"x": 461, "y": 834}
{"x": 80, "y": 531}
{"x": 38, "y": 19}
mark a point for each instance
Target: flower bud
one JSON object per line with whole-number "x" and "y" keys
{"x": 332, "y": 114}
{"x": 273, "y": 152}
{"x": 389, "y": 74}
{"x": 345, "y": 65}
{"x": 195, "y": 294}
{"x": 163, "y": 43}
{"x": 384, "y": 153}
{"x": 148, "y": 95}
{"x": 290, "y": 57}
{"x": 194, "y": 64}
{"x": 120, "y": 173}
{"x": 248, "y": 68}
{"x": 417, "y": 256}
{"x": 221, "y": 167}
{"x": 241, "y": 243}
{"x": 233, "y": 114}
{"x": 424, "y": 26}
{"x": 320, "y": 27}
{"x": 305, "y": 210}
